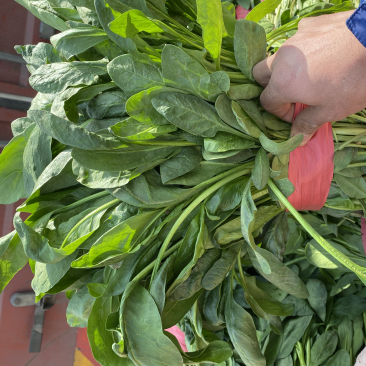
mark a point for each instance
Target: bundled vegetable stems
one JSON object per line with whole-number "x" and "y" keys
{"x": 156, "y": 187}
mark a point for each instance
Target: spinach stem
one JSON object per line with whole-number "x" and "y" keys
{"x": 161, "y": 143}
{"x": 300, "y": 353}
{"x": 188, "y": 210}
{"x": 358, "y": 270}
{"x": 342, "y": 146}
{"x": 298, "y": 259}
{"x": 99, "y": 209}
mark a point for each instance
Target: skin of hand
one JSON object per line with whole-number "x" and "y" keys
{"x": 324, "y": 66}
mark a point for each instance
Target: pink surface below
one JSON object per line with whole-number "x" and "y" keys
{"x": 311, "y": 168}
{"x": 179, "y": 335}
{"x": 363, "y": 233}
{"x": 241, "y": 13}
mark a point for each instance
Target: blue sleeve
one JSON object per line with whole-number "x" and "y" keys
{"x": 357, "y": 23}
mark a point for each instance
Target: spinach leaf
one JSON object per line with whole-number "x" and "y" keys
{"x": 281, "y": 148}
{"x": 224, "y": 141}
{"x": 323, "y": 347}
{"x": 244, "y": 91}
{"x": 56, "y": 77}
{"x": 108, "y": 104}
{"x": 317, "y": 297}
{"x": 223, "y": 109}
{"x": 353, "y": 187}
{"x": 133, "y": 74}
{"x": 341, "y": 358}
{"x": 250, "y": 45}
{"x": 260, "y": 173}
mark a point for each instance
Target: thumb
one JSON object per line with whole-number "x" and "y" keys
{"x": 308, "y": 121}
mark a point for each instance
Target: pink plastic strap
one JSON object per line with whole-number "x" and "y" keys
{"x": 363, "y": 233}
{"x": 179, "y": 335}
{"x": 241, "y": 13}
{"x": 311, "y": 168}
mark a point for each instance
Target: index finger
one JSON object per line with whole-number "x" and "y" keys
{"x": 262, "y": 71}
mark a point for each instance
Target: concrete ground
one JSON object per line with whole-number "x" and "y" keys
{"x": 361, "y": 359}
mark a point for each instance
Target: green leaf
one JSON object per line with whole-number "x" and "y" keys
{"x": 182, "y": 72}
{"x": 342, "y": 158}
{"x": 56, "y": 77}
{"x": 244, "y": 121}
{"x": 252, "y": 109}
{"x": 224, "y": 141}
{"x": 223, "y": 109}
{"x": 70, "y": 134}
{"x": 11, "y": 167}
{"x": 221, "y": 79}
{"x": 133, "y": 74}
{"x": 120, "y": 240}
{"x": 77, "y": 40}
{"x": 100, "y": 339}
{"x": 340, "y": 358}
{"x": 140, "y": 108}
{"x": 19, "y": 125}
{"x": 132, "y": 22}
{"x": 12, "y": 260}
{"x": 121, "y": 159}
{"x": 317, "y": 297}
{"x": 242, "y": 332}
{"x": 108, "y": 104}
{"x": 154, "y": 346}
{"x": 281, "y": 148}
{"x": 260, "y": 173}
{"x": 342, "y": 307}
{"x": 323, "y": 347}
{"x": 343, "y": 283}
{"x": 287, "y": 361}
{"x": 244, "y": 91}
{"x": 262, "y": 9}
{"x": 281, "y": 276}
{"x": 276, "y": 236}
{"x": 130, "y": 129}
{"x": 191, "y": 114}
{"x": 250, "y": 45}
{"x": 345, "y": 334}
{"x": 188, "y": 159}
{"x": 36, "y": 157}
{"x": 79, "y": 308}
{"x": 352, "y": 187}
{"x": 209, "y": 16}
{"x": 293, "y": 331}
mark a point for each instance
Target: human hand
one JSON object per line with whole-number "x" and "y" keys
{"x": 324, "y": 66}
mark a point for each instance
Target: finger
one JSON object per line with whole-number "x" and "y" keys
{"x": 262, "y": 71}
{"x": 272, "y": 101}
{"x": 308, "y": 121}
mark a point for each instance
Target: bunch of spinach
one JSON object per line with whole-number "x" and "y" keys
{"x": 156, "y": 189}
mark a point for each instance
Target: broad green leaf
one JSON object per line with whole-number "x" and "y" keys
{"x": 242, "y": 332}
{"x": 100, "y": 339}
{"x": 188, "y": 159}
{"x": 293, "y": 331}
{"x": 130, "y": 129}
{"x": 209, "y": 16}
{"x": 260, "y": 173}
{"x": 154, "y": 346}
{"x": 345, "y": 334}
{"x": 220, "y": 269}
{"x": 191, "y": 114}
{"x": 281, "y": 148}
{"x": 343, "y": 283}
{"x": 79, "y": 308}
{"x": 250, "y": 45}
{"x": 133, "y": 74}
{"x": 11, "y": 167}
{"x": 340, "y": 358}
{"x": 108, "y": 104}
{"x": 323, "y": 347}
{"x": 244, "y": 91}
{"x": 77, "y": 40}
{"x": 19, "y": 125}
{"x": 211, "y": 305}
{"x": 182, "y": 72}
{"x": 252, "y": 110}
{"x": 58, "y": 105}
{"x": 281, "y": 276}
{"x": 105, "y": 15}
{"x": 274, "y": 123}
{"x": 276, "y": 236}
{"x": 244, "y": 121}
{"x": 342, "y": 158}
{"x": 121, "y": 240}
{"x": 262, "y": 9}
{"x": 121, "y": 159}
{"x": 342, "y": 307}
{"x": 224, "y": 141}
{"x": 36, "y": 157}
{"x": 302, "y": 307}
{"x": 221, "y": 79}
{"x": 140, "y": 108}
{"x": 70, "y": 134}
{"x": 287, "y": 361}
{"x": 317, "y": 297}
{"x": 352, "y": 187}
{"x": 223, "y": 109}
{"x": 130, "y": 23}
{"x": 12, "y": 260}
{"x": 56, "y": 77}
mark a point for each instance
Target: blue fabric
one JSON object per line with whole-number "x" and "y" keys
{"x": 357, "y": 23}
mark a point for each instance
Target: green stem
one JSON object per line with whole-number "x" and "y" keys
{"x": 82, "y": 201}
{"x": 355, "y": 165}
{"x": 300, "y": 353}
{"x": 187, "y": 211}
{"x": 101, "y": 208}
{"x": 161, "y": 143}
{"x": 342, "y": 146}
{"x": 308, "y": 351}
{"x": 150, "y": 267}
{"x": 358, "y": 270}
{"x": 298, "y": 259}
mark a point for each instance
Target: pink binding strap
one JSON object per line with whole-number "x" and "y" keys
{"x": 311, "y": 168}
{"x": 177, "y": 333}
